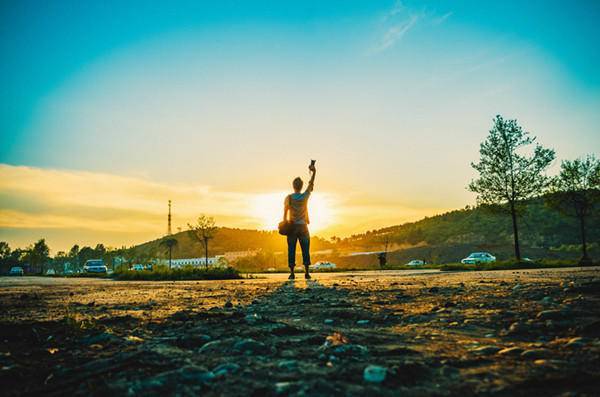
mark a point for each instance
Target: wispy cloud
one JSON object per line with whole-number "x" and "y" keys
{"x": 399, "y": 20}
{"x": 395, "y": 33}
{"x": 441, "y": 19}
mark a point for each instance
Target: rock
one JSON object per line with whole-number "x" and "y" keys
{"x": 210, "y": 347}
{"x": 517, "y": 328}
{"x": 226, "y": 369}
{"x": 191, "y": 340}
{"x": 517, "y": 287}
{"x": 228, "y": 304}
{"x": 547, "y": 300}
{"x": 534, "y": 354}
{"x": 374, "y": 374}
{"x": 434, "y": 290}
{"x": 362, "y": 322}
{"x": 250, "y": 346}
{"x": 487, "y": 350}
{"x": 576, "y": 342}
{"x": 102, "y": 338}
{"x": 328, "y": 321}
{"x": 550, "y": 315}
{"x": 288, "y": 365}
{"x": 282, "y": 387}
{"x": 288, "y": 354}
{"x": 350, "y": 350}
{"x": 510, "y": 351}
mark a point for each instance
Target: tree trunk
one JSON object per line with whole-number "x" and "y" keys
{"x": 206, "y": 252}
{"x": 513, "y": 214}
{"x": 170, "y": 250}
{"x": 585, "y": 260}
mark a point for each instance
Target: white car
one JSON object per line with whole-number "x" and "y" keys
{"x": 95, "y": 266}
{"x": 323, "y": 266}
{"x": 416, "y": 262}
{"x": 137, "y": 267}
{"x": 478, "y": 257}
{"x": 50, "y": 272}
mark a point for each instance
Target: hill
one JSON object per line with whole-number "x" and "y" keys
{"x": 448, "y": 237}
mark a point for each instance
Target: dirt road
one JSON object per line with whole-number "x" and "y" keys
{"x": 376, "y": 333}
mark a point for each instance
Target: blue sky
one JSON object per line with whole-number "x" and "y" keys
{"x": 391, "y": 97}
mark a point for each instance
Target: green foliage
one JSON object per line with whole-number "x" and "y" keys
{"x": 185, "y": 273}
{"x": 506, "y": 174}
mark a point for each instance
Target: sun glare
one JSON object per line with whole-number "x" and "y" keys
{"x": 268, "y": 209}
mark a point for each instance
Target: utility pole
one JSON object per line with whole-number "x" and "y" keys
{"x": 169, "y": 220}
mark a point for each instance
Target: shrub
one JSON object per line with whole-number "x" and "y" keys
{"x": 184, "y": 273}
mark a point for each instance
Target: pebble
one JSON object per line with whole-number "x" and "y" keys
{"x": 226, "y": 369}
{"x": 534, "y": 354}
{"x": 550, "y": 315}
{"x": 249, "y": 346}
{"x": 328, "y": 321}
{"x": 362, "y": 322}
{"x": 487, "y": 350}
{"x": 374, "y": 374}
{"x": 288, "y": 365}
{"x": 575, "y": 342}
{"x": 511, "y": 351}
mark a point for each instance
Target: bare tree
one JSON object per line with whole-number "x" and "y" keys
{"x": 169, "y": 242}
{"x": 508, "y": 176}
{"x": 575, "y": 192}
{"x": 203, "y": 231}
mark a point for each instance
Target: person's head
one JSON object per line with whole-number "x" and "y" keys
{"x": 297, "y": 184}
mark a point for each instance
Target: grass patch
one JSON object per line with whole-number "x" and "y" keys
{"x": 185, "y": 273}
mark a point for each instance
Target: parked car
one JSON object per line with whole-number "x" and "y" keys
{"x": 50, "y": 272}
{"x": 69, "y": 272}
{"x": 323, "y": 266}
{"x": 95, "y": 266}
{"x": 16, "y": 271}
{"x": 137, "y": 267}
{"x": 416, "y": 262}
{"x": 478, "y": 257}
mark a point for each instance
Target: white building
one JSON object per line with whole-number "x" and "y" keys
{"x": 212, "y": 261}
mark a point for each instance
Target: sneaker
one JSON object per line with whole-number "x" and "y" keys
{"x": 306, "y": 276}
{"x": 291, "y": 277}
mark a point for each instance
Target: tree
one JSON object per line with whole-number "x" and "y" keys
{"x": 203, "y": 231}
{"x": 507, "y": 176}
{"x": 74, "y": 255}
{"x": 4, "y": 256}
{"x": 575, "y": 192}
{"x": 169, "y": 242}
{"x": 38, "y": 254}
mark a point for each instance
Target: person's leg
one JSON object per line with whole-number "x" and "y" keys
{"x": 291, "y": 242}
{"x": 305, "y": 246}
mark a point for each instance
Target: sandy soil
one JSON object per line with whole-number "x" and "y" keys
{"x": 364, "y": 333}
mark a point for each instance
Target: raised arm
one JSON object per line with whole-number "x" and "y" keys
{"x": 311, "y": 183}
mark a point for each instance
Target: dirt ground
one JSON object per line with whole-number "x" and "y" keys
{"x": 501, "y": 333}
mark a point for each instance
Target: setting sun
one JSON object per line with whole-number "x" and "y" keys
{"x": 268, "y": 208}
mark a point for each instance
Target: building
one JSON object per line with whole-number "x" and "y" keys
{"x": 218, "y": 260}
{"x": 233, "y": 255}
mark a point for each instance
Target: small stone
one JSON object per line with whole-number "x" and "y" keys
{"x": 575, "y": 342}
{"x": 517, "y": 287}
{"x": 362, "y": 322}
{"x": 374, "y": 374}
{"x": 213, "y": 346}
{"x": 534, "y": 354}
{"x": 288, "y": 365}
{"x": 550, "y": 315}
{"x": 510, "y": 351}
{"x": 226, "y": 369}
{"x": 487, "y": 350}
{"x": 328, "y": 321}
{"x": 517, "y": 328}
{"x": 547, "y": 300}
{"x": 282, "y": 387}
{"x": 250, "y": 346}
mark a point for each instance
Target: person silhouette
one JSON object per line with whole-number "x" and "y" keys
{"x": 295, "y": 211}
